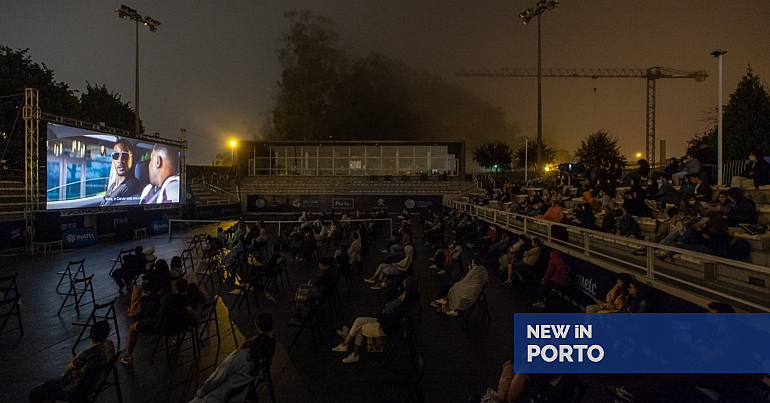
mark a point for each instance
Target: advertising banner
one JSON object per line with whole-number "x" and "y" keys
{"x": 159, "y": 227}
{"x": 221, "y": 211}
{"x": 364, "y": 203}
{"x": 77, "y": 238}
{"x": 641, "y": 343}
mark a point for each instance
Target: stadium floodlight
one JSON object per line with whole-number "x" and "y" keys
{"x": 526, "y": 16}
{"x": 127, "y": 13}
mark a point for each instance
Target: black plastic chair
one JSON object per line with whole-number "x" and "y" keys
{"x": 187, "y": 256}
{"x": 80, "y": 272}
{"x": 208, "y": 316}
{"x": 91, "y": 396}
{"x": 481, "y": 302}
{"x": 100, "y": 312}
{"x": 309, "y": 321}
{"x": 10, "y": 307}
{"x": 181, "y": 335}
{"x": 406, "y": 333}
{"x": 410, "y": 389}
{"x": 213, "y": 267}
{"x": 78, "y": 289}
{"x": 119, "y": 259}
{"x": 244, "y": 287}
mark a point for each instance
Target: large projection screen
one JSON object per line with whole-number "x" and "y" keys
{"x": 87, "y": 169}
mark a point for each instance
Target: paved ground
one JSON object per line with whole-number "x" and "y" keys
{"x": 460, "y": 359}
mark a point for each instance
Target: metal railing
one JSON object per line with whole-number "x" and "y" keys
{"x": 716, "y": 274}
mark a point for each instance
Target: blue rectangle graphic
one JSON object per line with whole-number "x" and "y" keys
{"x": 641, "y": 343}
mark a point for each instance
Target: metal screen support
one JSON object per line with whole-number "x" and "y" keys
{"x": 31, "y": 115}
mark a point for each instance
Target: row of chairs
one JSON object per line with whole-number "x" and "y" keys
{"x": 10, "y": 305}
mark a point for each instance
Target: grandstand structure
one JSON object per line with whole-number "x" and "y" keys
{"x": 694, "y": 277}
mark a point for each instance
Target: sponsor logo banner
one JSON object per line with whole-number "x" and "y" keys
{"x": 159, "y": 227}
{"x": 641, "y": 343}
{"x": 76, "y": 238}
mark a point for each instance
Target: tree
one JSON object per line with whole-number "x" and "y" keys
{"x": 98, "y": 104}
{"x": 17, "y": 71}
{"x": 493, "y": 155}
{"x": 598, "y": 149}
{"x": 549, "y": 155}
{"x": 746, "y": 119}
{"x": 311, "y": 66}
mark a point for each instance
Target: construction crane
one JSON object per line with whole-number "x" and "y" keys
{"x": 652, "y": 75}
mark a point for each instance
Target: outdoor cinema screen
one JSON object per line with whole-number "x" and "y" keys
{"x": 92, "y": 169}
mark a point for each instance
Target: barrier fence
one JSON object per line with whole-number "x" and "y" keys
{"x": 275, "y": 228}
{"x": 689, "y": 271}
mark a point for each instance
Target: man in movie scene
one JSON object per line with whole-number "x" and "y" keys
{"x": 126, "y": 189}
{"x": 164, "y": 176}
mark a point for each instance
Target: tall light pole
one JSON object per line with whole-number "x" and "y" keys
{"x": 128, "y": 13}
{"x": 718, "y": 54}
{"x": 527, "y": 15}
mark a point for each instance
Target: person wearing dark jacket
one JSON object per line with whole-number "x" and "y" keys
{"x": 387, "y": 322}
{"x": 585, "y": 214}
{"x": 740, "y": 209}
{"x": 756, "y": 173}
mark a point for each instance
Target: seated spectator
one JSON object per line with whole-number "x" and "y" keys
{"x": 228, "y": 383}
{"x": 554, "y": 213}
{"x": 701, "y": 190}
{"x": 692, "y": 208}
{"x": 626, "y": 224}
{"x": 158, "y": 279}
{"x": 176, "y": 271}
{"x": 509, "y": 256}
{"x": 527, "y": 263}
{"x": 132, "y": 266}
{"x": 262, "y": 237}
{"x": 615, "y": 296}
{"x": 608, "y": 220}
{"x": 633, "y": 201}
{"x": 585, "y": 216}
{"x": 442, "y": 259}
{"x": 326, "y": 281}
{"x": 737, "y": 208}
{"x": 82, "y": 375}
{"x": 306, "y": 247}
{"x": 464, "y": 293}
{"x": 221, "y": 236}
{"x": 672, "y": 167}
{"x": 662, "y": 231}
{"x": 237, "y": 254}
{"x": 391, "y": 269}
{"x": 172, "y": 317}
{"x": 691, "y": 166}
{"x": 386, "y": 324}
{"x": 713, "y": 238}
{"x": 556, "y": 275}
{"x": 499, "y": 247}
{"x": 755, "y": 174}
{"x": 196, "y": 300}
{"x": 665, "y": 191}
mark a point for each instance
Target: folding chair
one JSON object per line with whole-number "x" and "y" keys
{"x": 181, "y": 335}
{"x": 309, "y": 321}
{"x": 105, "y": 372}
{"x": 80, "y": 271}
{"x": 187, "y": 256}
{"x": 410, "y": 389}
{"x": 78, "y": 289}
{"x": 481, "y": 302}
{"x": 207, "y": 275}
{"x": 119, "y": 259}
{"x": 241, "y": 291}
{"x": 10, "y": 307}
{"x": 209, "y": 315}
{"x": 100, "y": 312}
{"x": 406, "y": 333}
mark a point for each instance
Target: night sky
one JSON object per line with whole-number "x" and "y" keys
{"x": 211, "y": 67}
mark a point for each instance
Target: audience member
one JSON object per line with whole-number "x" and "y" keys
{"x": 755, "y": 174}
{"x": 464, "y": 293}
{"x": 615, "y": 296}
{"x": 556, "y": 275}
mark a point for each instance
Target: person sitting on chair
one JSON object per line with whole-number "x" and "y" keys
{"x": 230, "y": 381}
{"x": 386, "y": 269}
{"x": 79, "y": 378}
{"x": 464, "y": 293}
{"x": 132, "y": 266}
{"x": 387, "y": 323}
{"x": 557, "y": 275}
{"x": 173, "y": 316}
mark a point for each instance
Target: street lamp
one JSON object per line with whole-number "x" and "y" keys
{"x": 718, "y": 54}
{"x": 128, "y": 13}
{"x": 526, "y": 15}
{"x": 233, "y": 143}
{"x": 638, "y": 155}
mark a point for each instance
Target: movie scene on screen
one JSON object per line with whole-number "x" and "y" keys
{"x": 87, "y": 169}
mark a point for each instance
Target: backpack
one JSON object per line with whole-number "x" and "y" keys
{"x": 740, "y": 250}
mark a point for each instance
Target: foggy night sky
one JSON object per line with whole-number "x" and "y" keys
{"x": 211, "y": 67}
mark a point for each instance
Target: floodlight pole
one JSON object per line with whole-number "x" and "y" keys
{"x": 137, "y": 123}
{"x": 718, "y": 54}
{"x": 539, "y": 96}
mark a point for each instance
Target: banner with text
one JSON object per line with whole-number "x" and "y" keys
{"x": 641, "y": 343}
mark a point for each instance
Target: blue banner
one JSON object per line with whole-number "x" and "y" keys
{"x": 159, "y": 226}
{"x": 641, "y": 343}
{"x": 76, "y": 238}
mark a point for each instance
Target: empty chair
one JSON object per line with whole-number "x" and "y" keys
{"x": 9, "y": 303}
{"x": 79, "y": 287}
{"x": 100, "y": 312}
{"x": 70, "y": 275}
